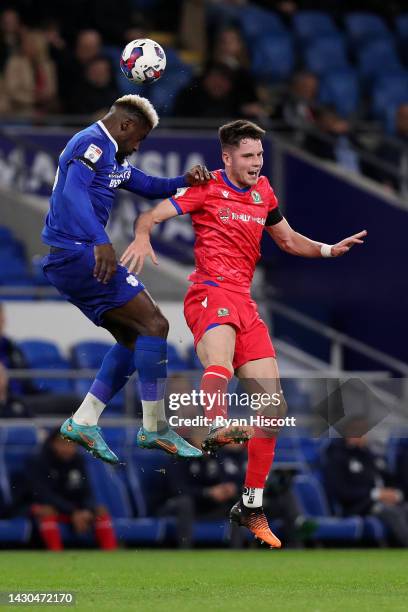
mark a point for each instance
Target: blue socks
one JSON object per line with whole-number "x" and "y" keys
{"x": 117, "y": 367}
{"x": 151, "y": 363}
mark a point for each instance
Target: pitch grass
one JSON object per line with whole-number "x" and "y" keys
{"x": 173, "y": 581}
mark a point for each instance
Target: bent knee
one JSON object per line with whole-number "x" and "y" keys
{"x": 158, "y": 325}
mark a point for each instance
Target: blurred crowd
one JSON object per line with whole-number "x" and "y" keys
{"x": 51, "y": 67}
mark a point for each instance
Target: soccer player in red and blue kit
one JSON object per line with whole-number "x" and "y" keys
{"x": 82, "y": 266}
{"x": 229, "y": 215}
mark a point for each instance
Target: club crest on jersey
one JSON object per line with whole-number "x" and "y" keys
{"x": 93, "y": 153}
{"x": 224, "y": 214}
{"x": 256, "y": 197}
{"x": 223, "y": 312}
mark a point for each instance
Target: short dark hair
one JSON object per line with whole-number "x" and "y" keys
{"x": 232, "y": 133}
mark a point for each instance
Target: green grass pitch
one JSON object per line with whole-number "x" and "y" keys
{"x": 173, "y": 581}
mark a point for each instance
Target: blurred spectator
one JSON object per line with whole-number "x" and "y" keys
{"x": 401, "y": 468}
{"x": 97, "y": 92}
{"x": 216, "y": 94}
{"x": 58, "y": 487}
{"x": 230, "y": 49}
{"x": 10, "y": 35}
{"x": 205, "y": 489}
{"x": 298, "y": 109}
{"x": 394, "y": 152}
{"x": 30, "y": 82}
{"x": 10, "y": 407}
{"x": 12, "y": 357}
{"x": 360, "y": 483}
{"x": 334, "y": 140}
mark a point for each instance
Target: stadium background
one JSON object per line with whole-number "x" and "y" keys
{"x": 331, "y": 88}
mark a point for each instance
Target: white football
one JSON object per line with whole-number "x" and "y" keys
{"x": 143, "y": 61}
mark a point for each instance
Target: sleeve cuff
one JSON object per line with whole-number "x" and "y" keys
{"x": 176, "y": 206}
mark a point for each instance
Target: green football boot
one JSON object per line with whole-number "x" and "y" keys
{"x": 90, "y": 438}
{"x": 169, "y": 441}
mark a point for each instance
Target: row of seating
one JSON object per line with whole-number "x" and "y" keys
{"x": 129, "y": 492}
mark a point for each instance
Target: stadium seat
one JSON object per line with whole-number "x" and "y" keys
{"x": 341, "y": 90}
{"x": 309, "y": 24}
{"x": 313, "y": 504}
{"x": 111, "y": 491}
{"x": 193, "y": 360}
{"x": 15, "y": 531}
{"x": 44, "y": 355}
{"x": 273, "y": 58}
{"x": 325, "y": 54}
{"x": 401, "y": 26}
{"x": 175, "y": 361}
{"x": 362, "y": 27}
{"x": 255, "y": 22}
{"x": 378, "y": 57}
{"x": 388, "y": 92}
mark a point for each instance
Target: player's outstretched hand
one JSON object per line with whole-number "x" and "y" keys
{"x": 134, "y": 256}
{"x": 105, "y": 262}
{"x": 198, "y": 175}
{"x": 345, "y": 245}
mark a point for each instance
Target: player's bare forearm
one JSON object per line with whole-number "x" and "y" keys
{"x": 294, "y": 243}
{"x": 134, "y": 256}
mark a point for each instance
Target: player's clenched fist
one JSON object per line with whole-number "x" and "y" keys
{"x": 134, "y": 256}
{"x": 198, "y": 175}
{"x": 105, "y": 262}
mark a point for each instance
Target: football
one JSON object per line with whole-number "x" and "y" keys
{"x": 143, "y": 61}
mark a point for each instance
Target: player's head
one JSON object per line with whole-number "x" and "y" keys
{"x": 130, "y": 120}
{"x": 242, "y": 151}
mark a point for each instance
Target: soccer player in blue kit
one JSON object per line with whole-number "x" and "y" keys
{"x": 82, "y": 266}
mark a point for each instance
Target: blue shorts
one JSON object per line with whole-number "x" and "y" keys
{"x": 71, "y": 272}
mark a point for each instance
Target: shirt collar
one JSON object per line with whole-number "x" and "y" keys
{"x": 234, "y": 187}
{"x": 108, "y": 134}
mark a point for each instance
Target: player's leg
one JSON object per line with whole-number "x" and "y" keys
{"x": 260, "y": 376}
{"x": 140, "y": 330}
{"x": 216, "y": 353}
{"x": 213, "y": 317}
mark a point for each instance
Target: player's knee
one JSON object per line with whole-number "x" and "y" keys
{"x": 158, "y": 325}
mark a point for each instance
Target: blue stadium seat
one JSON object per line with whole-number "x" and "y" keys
{"x": 341, "y": 89}
{"x": 255, "y": 22}
{"x": 388, "y": 92}
{"x": 193, "y": 360}
{"x": 313, "y": 504}
{"x": 309, "y": 24}
{"x": 46, "y": 355}
{"x": 6, "y": 236}
{"x": 175, "y": 360}
{"x": 401, "y": 25}
{"x": 15, "y": 531}
{"x": 378, "y": 57}
{"x": 325, "y": 54}
{"x": 362, "y": 27}
{"x": 110, "y": 490}
{"x": 13, "y": 269}
{"x": 288, "y": 453}
{"x": 273, "y": 58}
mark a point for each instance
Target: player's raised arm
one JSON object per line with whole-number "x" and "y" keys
{"x": 134, "y": 256}
{"x": 296, "y": 244}
{"x": 155, "y": 187}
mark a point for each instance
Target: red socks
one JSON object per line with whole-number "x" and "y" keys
{"x": 214, "y": 384}
{"x": 50, "y": 533}
{"x": 104, "y": 533}
{"x": 261, "y": 452}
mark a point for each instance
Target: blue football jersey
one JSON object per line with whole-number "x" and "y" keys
{"x": 84, "y": 189}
